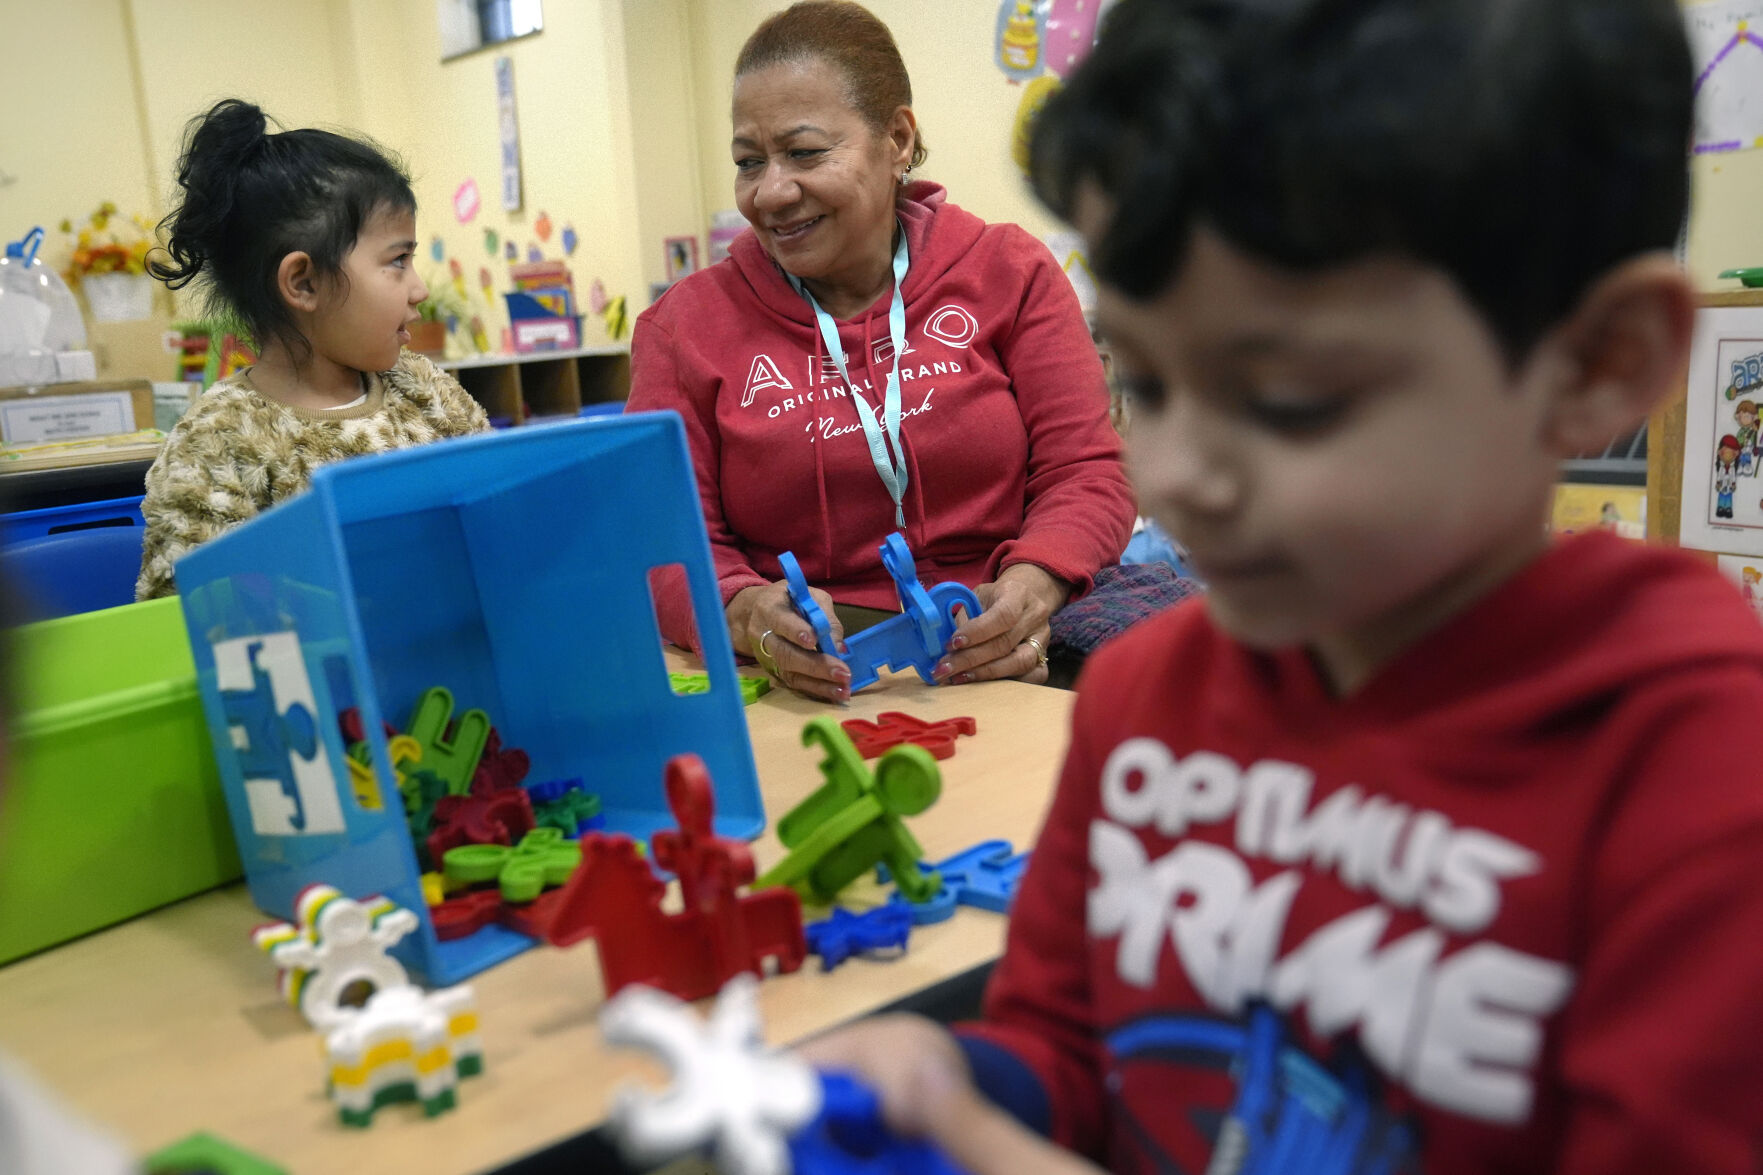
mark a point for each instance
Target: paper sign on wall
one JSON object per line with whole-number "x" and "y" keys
{"x": 1747, "y": 573}
{"x": 64, "y": 418}
{"x": 510, "y": 133}
{"x": 465, "y": 201}
{"x": 1728, "y": 53}
{"x": 1722, "y": 456}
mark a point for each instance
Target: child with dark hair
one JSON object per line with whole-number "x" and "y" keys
{"x": 1424, "y": 842}
{"x": 307, "y": 238}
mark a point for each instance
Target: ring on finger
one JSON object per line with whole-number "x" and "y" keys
{"x": 1040, "y": 650}
{"x": 765, "y": 658}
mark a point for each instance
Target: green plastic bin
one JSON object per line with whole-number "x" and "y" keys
{"x": 112, "y": 805}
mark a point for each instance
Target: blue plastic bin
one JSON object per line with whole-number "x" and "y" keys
{"x": 35, "y": 524}
{"x": 74, "y": 571}
{"x": 511, "y": 568}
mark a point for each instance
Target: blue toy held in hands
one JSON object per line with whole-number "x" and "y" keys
{"x": 753, "y": 1111}
{"x": 917, "y": 637}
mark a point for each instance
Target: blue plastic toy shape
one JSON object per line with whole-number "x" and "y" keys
{"x": 848, "y": 1137}
{"x": 837, "y": 938}
{"x": 917, "y": 637}
{"x": 270, "y": 736}
{"x": 1290, "y": 1112}
{"x": 807, "y": 605}
{"x": 985, "y": 876}
{"x": 266, "y": 703}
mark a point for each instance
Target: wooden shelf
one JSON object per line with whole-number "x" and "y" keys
{"x": 520, "y": 387}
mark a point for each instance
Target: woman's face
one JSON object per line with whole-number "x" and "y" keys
{"x": 813, "y": 179}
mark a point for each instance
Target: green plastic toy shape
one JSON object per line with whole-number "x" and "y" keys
{"x": 752, "y": 688}
{"x": 205, "y": 1154}
{"x": 452, "y": 755}
{"x": 543, "y": 857}
{"x": 852, "y": 822}
{"x": 567, "y": 812}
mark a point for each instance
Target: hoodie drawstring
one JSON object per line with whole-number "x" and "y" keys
{"x": 819, "y": 443}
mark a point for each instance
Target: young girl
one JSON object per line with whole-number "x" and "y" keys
{"x": 306, "y": 238}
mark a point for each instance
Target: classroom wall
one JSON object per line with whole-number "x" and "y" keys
{"x": 573, "y": 110}
{"x": 142, "y": 69}
{"x": 964, "y": 105}
{"x": 623, "y": 110}
{"x": 661, "y": 83}
{"x": 79, "y": 144}
{"x": 146, "y": 67}
{"x": 624, "y": 117}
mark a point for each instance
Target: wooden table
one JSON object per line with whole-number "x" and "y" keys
{"x": 171, "y": 1023}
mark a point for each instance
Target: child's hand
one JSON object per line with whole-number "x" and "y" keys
{"x": 921, "y": 1077}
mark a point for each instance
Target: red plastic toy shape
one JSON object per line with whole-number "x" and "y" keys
{"x": 465, "y": 914}
{"x": 470, "y": 912}
{"x": 500, "y": 818}
{"x": 500, "y": 768}
{"x": 615, "y": 898}
{"x": 709, "y": 867}
{"x": 891, "y": 728}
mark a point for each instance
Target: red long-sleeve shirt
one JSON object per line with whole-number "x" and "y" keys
{"x": 1501, "y": 910}
{"x": 1009, "y": 452}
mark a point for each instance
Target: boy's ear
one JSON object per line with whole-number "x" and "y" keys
{"x": 296, "y": 280}
{"x": 1628, "y": 343}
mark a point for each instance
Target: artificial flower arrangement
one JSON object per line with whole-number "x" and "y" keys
{"x": 109, "y": 243}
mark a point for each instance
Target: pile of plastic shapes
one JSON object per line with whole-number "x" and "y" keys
{"x": 490, "y": 843}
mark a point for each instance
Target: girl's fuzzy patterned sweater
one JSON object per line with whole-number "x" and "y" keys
{"x": 236, "y": 453}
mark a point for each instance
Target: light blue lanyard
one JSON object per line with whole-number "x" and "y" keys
{"x": 890, "y": 464}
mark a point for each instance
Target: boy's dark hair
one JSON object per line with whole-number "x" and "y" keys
{"x": 1521, "y": 146}
{"x": 250, "y": 198}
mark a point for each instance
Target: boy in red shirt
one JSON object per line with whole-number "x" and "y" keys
{"x": 1423, "y": 843}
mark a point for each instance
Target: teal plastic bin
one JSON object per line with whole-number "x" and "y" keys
{"x": 511, "y": 568}
{"x": 113, "y": 804}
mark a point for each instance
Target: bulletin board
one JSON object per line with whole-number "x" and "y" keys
{"x": 1696, "y": 505}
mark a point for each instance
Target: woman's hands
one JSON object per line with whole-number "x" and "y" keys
{"x": 766, "y": 627}
{"x": 921, "y": 1077}
{"x": 1009, "y": 638}
{"x": 1002, "y": 640}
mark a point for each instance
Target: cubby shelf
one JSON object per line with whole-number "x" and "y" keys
{"x": 516, "y": 388}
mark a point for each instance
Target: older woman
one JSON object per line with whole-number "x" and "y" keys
{"x": 872, "y": 358}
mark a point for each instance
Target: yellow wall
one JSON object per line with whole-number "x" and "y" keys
{"x": 623, "y": 109}
{"x": 573, "y": 112}
{"x": 660, "y": 81}
{"x": 70, "y": 145}
{"x": 1726, "y": 220}
{"x": 146, "y": 67}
